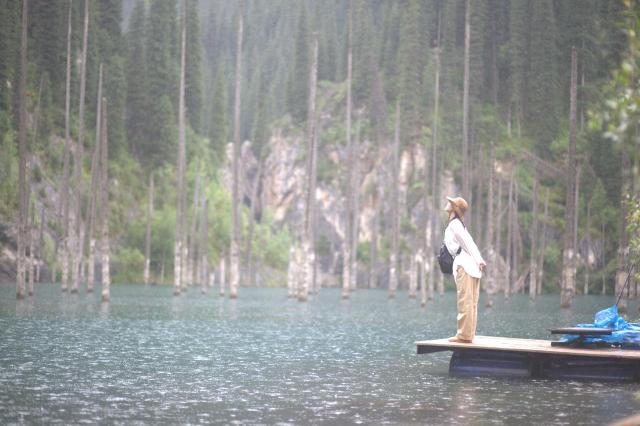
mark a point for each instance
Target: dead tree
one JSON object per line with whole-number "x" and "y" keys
{"x": 588, "y": 256}
{"x": 395, "y": 220}
{"x": 147, "y": 241}
{"x": 568, "y": 287}
{"x": 40, "y": 244}
{"x": 180, "y": 243}
{"x": 104, "y": 207}
{"x": 252, "y": 223}
{"x": 22, "y": 154}
{"x": 497, "y": 277}
{"x": 430, "y": 249}
{"x": 223, "y": 275}
{"x": 465, "y": 102}
{"x": 203, "y": 245}
{"x": 192, "y": 238}
{"x": 533, "y": 264}
{"x": 31, "y": 259}
{"x": 543, "y": 244}
{"x": 490, "y": 283}
{"x": 509, "y": 256}
{"x": 94, "y": 185}
{"x": 346, "y": 246}
{"x": 355, "y": 204}
{"x": 235, "y": 219}
{"x": 307, "y": 239}
{"x": 78, "y": 246}
{"x": 63, "y": 207}
{"x": 373, "y": 256}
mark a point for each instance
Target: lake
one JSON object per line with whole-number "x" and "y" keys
{"x": 148, "y": 357}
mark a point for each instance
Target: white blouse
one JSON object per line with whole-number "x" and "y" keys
{"x": 456, "y": 236}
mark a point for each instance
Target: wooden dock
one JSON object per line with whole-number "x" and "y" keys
{"x": 504, "y": 356}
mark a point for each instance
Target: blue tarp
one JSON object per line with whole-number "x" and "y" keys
{"x": 624, "y": 334}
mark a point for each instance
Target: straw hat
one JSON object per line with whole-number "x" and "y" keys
{"x": 459, "y": 205}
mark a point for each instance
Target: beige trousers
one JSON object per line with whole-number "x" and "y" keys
{"x": 468, "y": 289}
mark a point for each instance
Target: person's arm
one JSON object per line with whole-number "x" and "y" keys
{"x": 466, "y": 242}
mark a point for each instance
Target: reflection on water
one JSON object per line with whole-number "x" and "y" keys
{"x": 148, "y": 357}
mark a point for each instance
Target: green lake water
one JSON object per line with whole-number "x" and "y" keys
{"x": 150, "y": 358}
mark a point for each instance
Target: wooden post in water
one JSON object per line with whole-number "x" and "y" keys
{"x": 95, "y": 184}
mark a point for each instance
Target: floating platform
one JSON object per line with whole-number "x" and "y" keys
{"x": 511, "y": 357}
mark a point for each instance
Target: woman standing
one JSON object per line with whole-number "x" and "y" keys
{"x": 467, "y": 268}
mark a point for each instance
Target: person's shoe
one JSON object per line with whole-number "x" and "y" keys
{"x": 456, "y": 339}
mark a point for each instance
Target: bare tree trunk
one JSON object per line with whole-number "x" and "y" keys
{"x": 423, "y": 269}
{"x": 252, "y": 222}
{"x": 533, "y": 264}
{"x": 497, "y": 277}
{"x": 346, "y": 246}
{"x": 22, "y": 153}
{"x": 355, "y": 222}
{"x": 466, "y": 190}
{"x": 79, "y": 246}
{"x": 490, "y": 283}
{"x": 291, "y": 273}
{"x": 588, "y": 256}
{"x": 507, "y": 285}
{"x": 147, "y": 241}
{"x": 515, "y": 233}
{"x": 395, "y": 220}
{"x": 604, "y": 261}
{"x": 104, "y": 207}
{"x": 543, "y": 243}
{"x": 576, "y": 201}
{"x": 307, "y": 241}
{"x": 31, "y": 260}
{"x": 180, "y": 243}
{"x": 223, "y": 275}
{"x": 40, "y": 244}
{"x": 430, "y": 250}
{"x": 192, "y": 255}
{"x": 204, "y": 240}
{"x": 413, "y": 278}
{"x": 95, "y": 184}
{"x": 373, "y": 258}
{"x": 63, "y": 207}
{"x": 235, "y": 220}
{"x": 623, "y": 244}
{"x": 568, "y": 287}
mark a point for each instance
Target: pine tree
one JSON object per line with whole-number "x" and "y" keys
{"x": 136, "y": 119}
{"x": 194, "y": 83}
{"x": 161, "y": 80}
{"x": 219, "y": 120}
{"x": 298, "y": 86}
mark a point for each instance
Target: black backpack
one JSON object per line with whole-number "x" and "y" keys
{"x": 445, "y": 259}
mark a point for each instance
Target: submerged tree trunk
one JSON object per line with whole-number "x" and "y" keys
{"x": 22, "y": 154}
{"x": 39, "y": 246}
{"x": 355, "y": 221}
{"x": 95, "y": 184}
{"x": 490, "y": 283}
{"x": 235, "y": 220}
{"x": 430, "y": 249}
{"x": 204, "y": 248}
{"x": 180, "y": 243}
{"x": 373, "y": 257}
{"x": 509, "y": 256}
{"x": 192, "y": 254}
{"x": 307, "y": 241}
{"x": 104, "y": 207}
{"x": 495, "y": 272}
{"x": 466, "y": 189}
{"x": 346, "y": 245}
{"x": 623, "y": 242}
{"x": 568, "y": 287}
{"x": 79, "y": 246}
{"x": 588, "y": 256}
{"x": 395, "y": 220}
{"x": 31, "y": 259}
{"x": 63, "y": 207}
{"x": 223, "y": 275}
{"x": 533, "y": 264}
{"x": 147, "y": 240}
{"x": 252, "y": 222}
{"x": 543, "y": 243}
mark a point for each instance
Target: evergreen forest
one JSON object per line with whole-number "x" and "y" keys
{"x": 309, "y": 144}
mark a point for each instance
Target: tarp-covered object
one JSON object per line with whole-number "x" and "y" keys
{"x": 623, "y": 334}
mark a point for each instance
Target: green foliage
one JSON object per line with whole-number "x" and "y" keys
{"x": 8, "y": 172}
{"x": 128, "y": 265}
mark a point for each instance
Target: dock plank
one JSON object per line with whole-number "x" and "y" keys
{"x": 510, "y": 344}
